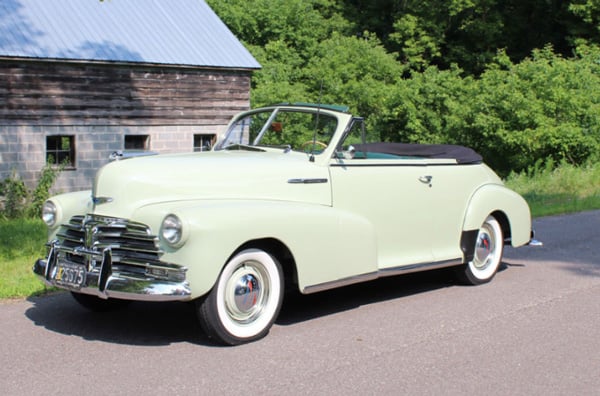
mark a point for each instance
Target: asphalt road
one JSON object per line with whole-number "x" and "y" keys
{"x": 535, "y": 330}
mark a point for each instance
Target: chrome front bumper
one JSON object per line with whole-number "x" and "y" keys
{"x": 107, "y": 281}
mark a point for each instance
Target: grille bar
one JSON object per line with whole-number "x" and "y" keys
{"x": 131, "y": 243}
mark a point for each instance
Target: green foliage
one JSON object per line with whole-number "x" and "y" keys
{"x": 15, "y": 194}
{"x": 353, "y": 71}
{"x": 550, "y": 189}
{"x": 42, "y": 191}
{"x": 21, "y": 243}
{"x": 20, "y": 201}
{"x": 443, "y": 32}
{"x": 514, "y": 80}
{"x": 416, "y": 46}
{"x": 544, "y": 107}
{"x": 469, "y": 32}
{"x": 587, "y": 10}
{"x": 298, "y": 23}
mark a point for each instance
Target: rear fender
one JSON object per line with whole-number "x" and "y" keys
{"x": 492, "y": 198}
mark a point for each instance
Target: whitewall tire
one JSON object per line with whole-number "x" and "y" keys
{"x": 487, "y": 255}
{"x": 245, "y": 301}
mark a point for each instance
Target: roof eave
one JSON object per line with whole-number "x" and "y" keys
{"x": 128, "y": 63}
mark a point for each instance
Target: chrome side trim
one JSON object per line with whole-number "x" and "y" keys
{"x": 307, "y": 181}
{"x": 340, "y": 282}
{"x": 384, "y": 272}
{"x": 407, "y": 269}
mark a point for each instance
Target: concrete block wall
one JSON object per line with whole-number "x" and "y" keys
{"x": 23, "y": 148}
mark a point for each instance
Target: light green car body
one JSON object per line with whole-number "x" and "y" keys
{"x": 332, "y": 219}
{"x": 362, "y": 222}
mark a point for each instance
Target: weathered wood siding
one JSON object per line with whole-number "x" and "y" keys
{"x": 49, "y": 93}
{"x": 99, "y": 104}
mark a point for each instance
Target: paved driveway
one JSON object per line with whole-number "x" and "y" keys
{"x": 535, "y": 330}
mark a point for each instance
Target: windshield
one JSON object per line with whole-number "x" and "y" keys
{"x": 293, "y": 129}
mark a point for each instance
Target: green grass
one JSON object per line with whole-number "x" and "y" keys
{"x": 21, "y": 243}
{"x": 548, "y": 190}
{"x": 564, "y": 189}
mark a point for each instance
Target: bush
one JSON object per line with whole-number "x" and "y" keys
{"x": 15, "y": 196}
{"x": 545, "y": 107}
{"x": 19, "y": 201}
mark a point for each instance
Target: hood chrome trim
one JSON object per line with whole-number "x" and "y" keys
{"x": 101, "y": 200}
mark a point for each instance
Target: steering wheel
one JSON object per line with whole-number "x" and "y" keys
{"x": 316, "y": 142}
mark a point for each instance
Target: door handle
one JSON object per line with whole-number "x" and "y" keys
{"x": 425, "y": 179}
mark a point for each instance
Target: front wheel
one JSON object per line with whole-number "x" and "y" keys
{"x": 246, "y": 299}
{"x": 487, "y": 256}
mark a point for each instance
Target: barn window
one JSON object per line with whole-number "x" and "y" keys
{"x": 203, "y": 142}
{"x": 60, "y": 150}
{"x": 137, "y": 142}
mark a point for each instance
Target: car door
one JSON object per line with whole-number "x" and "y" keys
{"x": 394, "y": 196}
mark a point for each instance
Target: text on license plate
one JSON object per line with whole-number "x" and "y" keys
{"x": 70, "y": 275}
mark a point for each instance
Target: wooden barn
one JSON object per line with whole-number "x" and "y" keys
{"x": 81, "y": 79}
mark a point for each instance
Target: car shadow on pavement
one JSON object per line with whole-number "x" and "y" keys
{"x": 298, "y": 308}
{"x": 158, "y": 324}
{"x": 137, "y": 323}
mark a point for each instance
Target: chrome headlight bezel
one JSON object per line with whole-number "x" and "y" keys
{"x": 50, "y": 213}
{"x": 172, "y": 231}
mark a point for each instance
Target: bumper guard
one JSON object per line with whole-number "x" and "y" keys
{"x": 104, "y": 282}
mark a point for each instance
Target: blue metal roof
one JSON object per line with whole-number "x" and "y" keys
{"x": 172, "y": 32}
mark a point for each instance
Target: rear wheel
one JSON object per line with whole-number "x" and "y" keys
{"x": 246, "y": 299}
{"x": 487, "y": 256}
{"x": 98, "y": 304}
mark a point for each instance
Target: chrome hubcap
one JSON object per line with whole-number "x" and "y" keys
{"x": 484, "y": 250}
{"x": 246, "y": 293}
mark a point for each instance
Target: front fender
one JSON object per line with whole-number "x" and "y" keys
{"x": 69, "y": 205}
{"x": 326, "y": 244}
{"x": 492, "y": 198}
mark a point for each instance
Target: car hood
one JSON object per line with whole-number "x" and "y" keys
{"x": 123, "y": 186}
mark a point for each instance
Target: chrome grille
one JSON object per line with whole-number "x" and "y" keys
{"x": 131, "y": 243}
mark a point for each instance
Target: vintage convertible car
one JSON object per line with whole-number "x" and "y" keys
{"x": 293, "y": 197}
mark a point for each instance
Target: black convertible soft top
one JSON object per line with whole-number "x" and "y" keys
{"x": 462, "y": 155}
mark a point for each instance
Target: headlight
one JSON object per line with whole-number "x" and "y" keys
{"x": 49, "y": 213}
{"x": 171, "y": 230}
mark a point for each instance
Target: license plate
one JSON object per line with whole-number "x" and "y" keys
{"x": 70, "y": 275}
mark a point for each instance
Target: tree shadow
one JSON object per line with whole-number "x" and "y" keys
{"x": 17, "y": 33}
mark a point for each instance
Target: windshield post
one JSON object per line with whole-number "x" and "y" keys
{"x": 265, "y": 127}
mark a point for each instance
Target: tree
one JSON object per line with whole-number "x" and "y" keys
{"x": 499, "y": 76}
